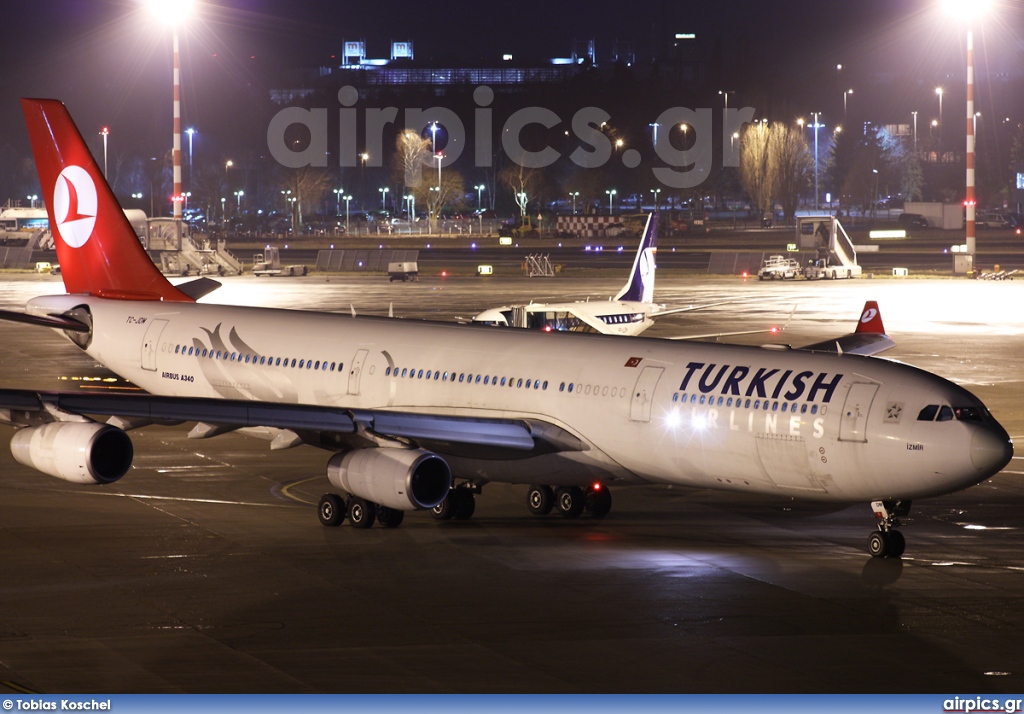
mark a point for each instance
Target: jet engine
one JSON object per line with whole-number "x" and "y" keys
{"x": 403, "y": 479}
{"x": 80, "y": 452}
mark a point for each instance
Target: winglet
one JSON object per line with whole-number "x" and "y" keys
{"x": 871, "y": 319}
{"x": 98, "y": 251}
{"x": 640, "y": 286}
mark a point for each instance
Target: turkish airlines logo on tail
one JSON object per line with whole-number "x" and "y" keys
{"x": 74, "y": 206}
{"x": 868, "y": 315}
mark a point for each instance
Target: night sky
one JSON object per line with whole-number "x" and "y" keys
{"x": 110, "y": 63}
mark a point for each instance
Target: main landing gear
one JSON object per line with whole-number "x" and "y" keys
{"x": 571, "y": 501}
{"x": 887, "y": 542}
{"x": 333, "y": 509}
{"x": 459, "y": 505}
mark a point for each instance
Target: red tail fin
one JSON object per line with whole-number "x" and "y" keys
{"x": 96, "y": 246}
{"x": 871, "y": 319}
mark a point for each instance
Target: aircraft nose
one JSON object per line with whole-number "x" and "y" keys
{"x": 991, "y": 449}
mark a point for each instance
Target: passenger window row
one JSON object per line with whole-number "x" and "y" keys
{"x": 596, "y": 389}
{"x": 261, "y": 360}
{"x": 466, "y": 378}
{"x": 740, "y": 403}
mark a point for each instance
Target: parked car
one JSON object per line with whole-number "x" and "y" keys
{"x": 912, "y": 220}
{"x": 991, "y": 219}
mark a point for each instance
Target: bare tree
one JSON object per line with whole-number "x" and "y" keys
{"x": 307, "y": 185}
{"x": 525, "y": 184}
{"x": 452, "y": 191}
{"x": 790, "y": 159}
{"x": 411, "y": 151}
{"x": 756, "y": 171}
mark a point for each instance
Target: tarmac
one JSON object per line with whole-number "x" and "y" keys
{"x": 206, "y": 570}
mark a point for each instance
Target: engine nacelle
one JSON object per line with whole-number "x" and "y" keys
{"x": 403, "y": 479}
{"x": 80, "y": 452}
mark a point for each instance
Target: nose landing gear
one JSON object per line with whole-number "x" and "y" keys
{"x": 887, "y": 542}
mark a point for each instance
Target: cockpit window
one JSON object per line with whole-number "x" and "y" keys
{"x": 945, "y": 414}
{"x": 969, "y": 414}
{"x": 928, "y": 413}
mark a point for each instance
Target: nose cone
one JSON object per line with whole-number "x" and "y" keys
{"x": 991, "y": 449}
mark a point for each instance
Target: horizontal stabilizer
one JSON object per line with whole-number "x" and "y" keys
{"x": 869, "y": 338}
{"x": 198, "y": 288}
{"x": 57, "y": 321}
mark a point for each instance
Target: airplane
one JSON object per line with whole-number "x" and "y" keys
{"x": 421, "y": 415}
{"x": 630, "y": 312}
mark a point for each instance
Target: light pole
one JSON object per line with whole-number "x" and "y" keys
{"x": 227, "y": 165}
{"x": 383, "y": 197}
{"x": 654, "y": 141}
{"x": 846, "y": 94}
{"x": 479, "y": 196}
{"x": 191, "y": 133}
{"x": 338, "y": 192}
{"x": 223, "y": 211}
{"x": 915, "y": 132}
{"x": 174, "y": 12}
{"x": 725, "y": 93}
{"x": 656, "y": 191}
{"x": 573, "y": 195}
{"x": 940, "y": 92}
{"x": 816, "y": 127}
{"x": 347, "y": 199}
{"x": 105, "y": 132}
{"x": 238, "y": 200}
{"x": 33, "y": 198}
{"x": 522, "y": 202}
{"x": 439, "y": 158}
{"x": 967, "y": 10}
{"x": 611, "y": 199}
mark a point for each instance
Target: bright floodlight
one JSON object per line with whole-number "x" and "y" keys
{"x": 966, "y": 9}
{"x": 170, "y": 11}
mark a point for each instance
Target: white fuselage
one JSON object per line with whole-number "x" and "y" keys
{"x": 607, "y": 317}
{"x": 770, "y": 421}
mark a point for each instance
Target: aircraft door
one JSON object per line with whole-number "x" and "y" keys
{"x": 355, "y": 371}
{"x": 643, "y": 394}
{"x": 150, "y": 342}
{"x": 854, "y": 421}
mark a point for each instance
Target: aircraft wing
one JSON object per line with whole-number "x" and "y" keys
{"x": 656, "y": 313}
{"x": 26, "y": 407}
{"x": 774, "y": 330}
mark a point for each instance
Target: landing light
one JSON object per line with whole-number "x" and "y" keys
{"x": 672, "y": 420}
{"x": 774, "y": 330}
{"x": 699, "y": 423}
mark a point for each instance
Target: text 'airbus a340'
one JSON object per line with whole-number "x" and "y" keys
{"x": 422, "y": 415}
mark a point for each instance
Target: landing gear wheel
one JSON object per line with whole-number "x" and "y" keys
{"x": 331, "y": 510}
{"x": 540, "y": 500}
{"x": 887, "y": 542}
{"x": 878, "y": 544}
{"x": 570, "y": 501}
{"x": 390, "y": 517}
{"x": 361, "y": 513}
{"x": 445, "y": 510}
{"x": 464, "y": 504}
{"x": 598, "y": 501}
{"x": 897, "y": 544}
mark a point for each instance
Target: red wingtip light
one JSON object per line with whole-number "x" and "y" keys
{"x": 597, "y": 486}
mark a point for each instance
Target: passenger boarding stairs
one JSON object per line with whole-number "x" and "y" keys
{"x": 200, "y": 259}
{"x": 826, "y": 236}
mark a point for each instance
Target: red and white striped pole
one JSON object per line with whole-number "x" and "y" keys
{"x": 969, "y": 200}
{"x": 176, "y": 149}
